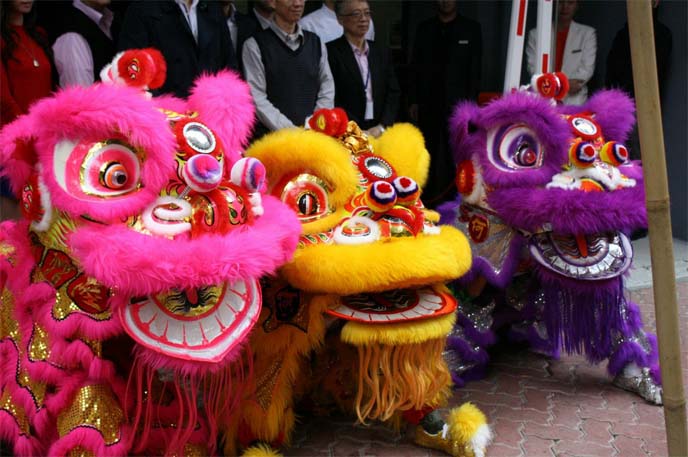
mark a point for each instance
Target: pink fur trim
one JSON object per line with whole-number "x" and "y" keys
{"x": 224, "y": 103}
{"x": 21, "y": 444}
{"x": 92, "y": 440}
{"x": 96, "y": 113}
{"x": 139, "y": 264}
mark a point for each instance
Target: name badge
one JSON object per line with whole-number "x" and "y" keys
{"x": 575, "y": 51}
{"x": 463, "y": 41}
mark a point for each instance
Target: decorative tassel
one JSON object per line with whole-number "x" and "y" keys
{"x": 394, "y": 378}
{"x": 181, "y": 403}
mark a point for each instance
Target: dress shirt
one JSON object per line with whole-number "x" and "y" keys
{"x": 267, "y": 113}
{"x": 72, "y": 54}
{"x": 190, "y": 15}
{"x": 264, "y": 23}
{"x": 361, "y": 57}
{"x": 323, "y": 22}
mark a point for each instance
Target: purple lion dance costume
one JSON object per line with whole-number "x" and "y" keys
{"x": 548, "y": 197}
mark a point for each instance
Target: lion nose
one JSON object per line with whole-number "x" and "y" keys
{"x": 202, "y": 173}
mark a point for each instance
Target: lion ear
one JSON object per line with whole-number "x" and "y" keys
{"x": 614, "y": 112}
{"x": 403, "y": 146}
{"x": 224, "y": 103}
{"x": 17, "y": 152}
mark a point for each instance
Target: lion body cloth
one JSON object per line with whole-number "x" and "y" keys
{"x": 358, "y": 319}
{"x": 130, "y": 287}
{"x": 548, "y": 199}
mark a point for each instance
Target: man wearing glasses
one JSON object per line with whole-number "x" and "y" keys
{"x": 323, "y": 22}
{"x": 287, "y": 71}
{"x": 365, "y": 84}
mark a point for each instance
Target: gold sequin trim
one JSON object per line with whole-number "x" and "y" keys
{"x": 39, "y": 349}
{"x": 95, "y": 407}
{"x": 266, "y": 384}
{"x": 7, "y": 251}
{"x": 15, "y": 411}
{"x": 9, "y": 327}
{"x": 80, "y": 452}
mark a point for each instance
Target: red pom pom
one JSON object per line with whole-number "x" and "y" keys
{"x": 160, "y": 68}
{"x": 331, "y": 122}
{"x": 563, "y": 85}
{"x": 142, "y": 68}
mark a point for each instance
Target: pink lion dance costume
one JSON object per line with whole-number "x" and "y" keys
{"x": 131, "y": 285}
{"x": 548, "y": 197}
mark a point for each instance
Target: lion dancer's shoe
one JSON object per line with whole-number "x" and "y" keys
{"x": 464, "y": 434}
{"x": 634, "y": 361}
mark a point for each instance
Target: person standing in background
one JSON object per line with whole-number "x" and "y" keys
{"x": 619, "y": 73}
{"x": 263, "y": 11}
{"x": 241, "y": 28}
{"x": 324, "y": 23}
{"x": 287, "y": 70}
{"x": 26, "y": 75}
{"x": 192, "y": 35}
{"x": 575, "y": 52}
{"x": 25, "y": 67}
{"x": 446, "y": 65}
{"x": 364, "y": 80}
{"x": 87, "y": 42}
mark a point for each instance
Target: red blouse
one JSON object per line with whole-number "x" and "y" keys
{"x": 22, "y": 81}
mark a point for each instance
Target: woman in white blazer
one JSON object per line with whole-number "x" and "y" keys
{"x": 579, "y": 54}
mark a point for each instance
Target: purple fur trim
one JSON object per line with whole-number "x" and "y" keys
{"x": 462, "y": 142}
{"x": 551, "y": 129}
{"x": 627, "y": 352}
{"x": 614, "y": 112}
{"x": 576, "y": 212}
{"x": 448, "y": 211}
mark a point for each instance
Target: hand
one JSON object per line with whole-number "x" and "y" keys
{"x": 375, "y": 132}
{"x": 413, "y": 112}
{"x": 575, "y": 86}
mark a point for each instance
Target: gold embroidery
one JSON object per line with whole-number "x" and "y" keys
{"x": 38, "y": 345}
{"x": 266, "y": 384}
{"x": 7, "y": 251}
{"x": 15, "y": 411}
{"x": 80, "y": 452}
{"x": 9, "y": 327}
{"x": 93, "y": 406}
{"x": 64, "y": 306}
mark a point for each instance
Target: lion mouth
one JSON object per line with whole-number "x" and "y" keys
{"x": 201, "y": 324}
{"x": 396, "y": 305}
{"x": 586, "y": 257}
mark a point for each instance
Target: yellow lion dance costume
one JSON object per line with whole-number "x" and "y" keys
{"x": 360, "y": 316}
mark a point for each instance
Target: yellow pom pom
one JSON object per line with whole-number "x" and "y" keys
{"x": 465, "y": 421}
{"x": 261, "y": 450}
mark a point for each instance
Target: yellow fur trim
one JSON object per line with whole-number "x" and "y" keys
{"x": 464, "y": 422}
{"x": 403, "y": 333}
{"x": 399, "y": 263}
{"x": 404, "y": 147}
{"x": 279, "y": 356}
{"x": 295, "y": 151}
{"x": 260, "y": 450}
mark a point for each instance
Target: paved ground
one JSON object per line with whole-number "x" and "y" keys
{"x": 538, "y": 407}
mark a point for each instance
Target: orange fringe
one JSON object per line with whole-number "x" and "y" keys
{"x": 400, "y": 378}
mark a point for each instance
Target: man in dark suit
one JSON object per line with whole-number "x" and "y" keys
{"x": 445, "y": 69}
{"x": 193, "y": 38}
{"x": 364, "y": 81}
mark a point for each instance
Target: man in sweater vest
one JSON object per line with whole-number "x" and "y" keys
{"x": 287, "y": 70}
{"x": 85, "y": 44}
